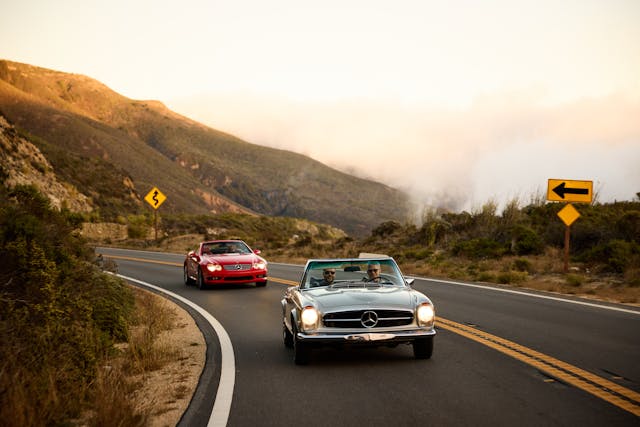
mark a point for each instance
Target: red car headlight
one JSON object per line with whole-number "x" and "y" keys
{"x": 214, "y": 267}
{"x": 260, "y": 265}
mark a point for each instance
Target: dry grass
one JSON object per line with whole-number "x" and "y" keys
{"x": 150, "y": 379}
{"x": 541, "y": 272}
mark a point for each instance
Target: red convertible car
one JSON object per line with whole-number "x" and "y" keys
{"x": 220, "y": 262}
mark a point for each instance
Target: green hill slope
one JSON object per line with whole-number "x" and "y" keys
{"x": 103, "y": 142}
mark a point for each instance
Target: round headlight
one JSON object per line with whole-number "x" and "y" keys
{"x": 260, "y": 265}
{"x": 426, "y": 315}
{"x": 309, "y": 318}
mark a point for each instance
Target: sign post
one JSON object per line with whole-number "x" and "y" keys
{"x": 155, "y": 198}
{"x": 566, "y": 190}
{"x": 568, "y": 215}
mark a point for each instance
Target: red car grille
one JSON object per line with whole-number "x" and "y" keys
{"x": 237, "y": 267}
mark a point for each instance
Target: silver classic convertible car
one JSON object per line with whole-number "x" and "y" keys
{"x": 356, "y": 301}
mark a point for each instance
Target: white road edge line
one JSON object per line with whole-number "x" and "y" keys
{"x": 489, "y": 288}
{"x": 222, "y": 405}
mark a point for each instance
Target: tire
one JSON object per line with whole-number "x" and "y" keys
{"x": 261, "y": 284}
{"x": 300, "y": 350}
{"x": 201, "y": 284}
{"x": 187, "y": 279}
{"x": 423, "y": 348}
{"x": 287, "y": 336}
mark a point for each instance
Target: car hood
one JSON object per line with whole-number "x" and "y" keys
{"x": 337, "y": 299}
{"x": 225, "y": 259}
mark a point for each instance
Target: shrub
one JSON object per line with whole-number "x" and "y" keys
{"x": 58, "y": 314}
{"x": 479, "y": 248}
{"x": 386, "y": 229}
{"x": 417, "y": 253}
{"x": 511, "y": 277}
{"x": 486, "y": 276}
{"x": 522, "y": 264}
{"x": 575, "y": 280}
{"x": 616, "y": 255}
{"x": 138, "y": 227}
{"x": 526, "y": 241}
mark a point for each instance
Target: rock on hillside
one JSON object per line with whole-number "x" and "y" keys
{"x": 21, "y": 162}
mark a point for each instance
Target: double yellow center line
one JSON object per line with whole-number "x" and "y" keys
{"x": 602, "y": 388}
{"x": 609, "y": 391}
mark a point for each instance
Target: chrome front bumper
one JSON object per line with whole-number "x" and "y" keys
{"x": 365, "y": 337}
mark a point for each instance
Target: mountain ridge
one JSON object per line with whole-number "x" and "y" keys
{"x": 86, "y": 129}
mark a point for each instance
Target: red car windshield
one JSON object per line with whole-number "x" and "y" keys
{"x": 219, "y": 248}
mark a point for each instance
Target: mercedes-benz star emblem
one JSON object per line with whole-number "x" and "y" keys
{"x": 369, "y": 319}
{"x": 238, "y": 266}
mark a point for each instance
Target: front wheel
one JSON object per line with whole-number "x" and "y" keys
{"x": 201, "y": 284}
{"x": 261, "y": 284}
{"x": 300, "y": 350}
{"x": 287, "y": 336}
{"x": 187, "y": 279}
{"x": 423, "y": 348}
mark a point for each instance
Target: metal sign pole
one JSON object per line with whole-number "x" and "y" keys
{"x": 567, "y": 233}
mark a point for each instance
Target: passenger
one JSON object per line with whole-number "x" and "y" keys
{"x": 373, "y": 272}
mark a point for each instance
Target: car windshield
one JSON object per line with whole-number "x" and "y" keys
{"x": 219, "y": 248}
{"x": 352, "y": 273}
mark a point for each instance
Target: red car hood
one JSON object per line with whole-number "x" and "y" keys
{"x": 225, "y": 259}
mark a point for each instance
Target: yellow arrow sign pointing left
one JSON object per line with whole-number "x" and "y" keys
{"x": 567, "y": 190}
{"x": 155, "y": 198}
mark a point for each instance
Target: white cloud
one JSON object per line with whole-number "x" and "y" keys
{"x": 503, "y": 147}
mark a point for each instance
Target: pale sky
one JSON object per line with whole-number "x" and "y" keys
{"x": 457, "y": 102}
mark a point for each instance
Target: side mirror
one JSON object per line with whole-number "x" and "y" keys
{"x": 410, "y": 281}
{"x": 257, "y": 251}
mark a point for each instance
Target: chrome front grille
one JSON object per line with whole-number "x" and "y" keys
{"x": 237, "y": 267}
{"x": 360, "y": 318}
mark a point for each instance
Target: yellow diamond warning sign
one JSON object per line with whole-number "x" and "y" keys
{"x": 568, "y": 214}
{"x": 155, "y": 198}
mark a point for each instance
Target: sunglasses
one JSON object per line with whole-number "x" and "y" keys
{"x": 330, "y": 272}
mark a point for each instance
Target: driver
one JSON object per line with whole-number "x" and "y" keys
{"x": 328, "y": 275}
{"x": 373, "y": 272}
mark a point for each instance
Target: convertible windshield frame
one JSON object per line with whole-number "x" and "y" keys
{"x": 352, "y": 273}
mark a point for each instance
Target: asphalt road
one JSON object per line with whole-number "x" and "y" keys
{"x": 500, "y": 359}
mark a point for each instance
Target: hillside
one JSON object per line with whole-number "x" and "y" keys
{"x": 114, "y": 150}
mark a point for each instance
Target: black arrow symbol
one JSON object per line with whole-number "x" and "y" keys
{"x": 561, "y": 190}
{"x": 155, "y": 197}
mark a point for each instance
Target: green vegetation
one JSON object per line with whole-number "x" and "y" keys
{"x": 518, "y": 247}
{"x": 60, "y": 317}
{"x": 522, "y": 246}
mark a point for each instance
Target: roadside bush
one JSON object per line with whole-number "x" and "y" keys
{"x": 58, "y": 314}
{"x": 511, "y": 277}
{"x": 616, "y": 255}
{"x": 386, "y": 229}
{"x": 479, "y": 248}
{"x": 575, "y": 280}
{"x": 522, "y": 264}
{"x": 417, "y": 253}
{"x": 526, "y": 241}
{"x": 138, "y": 227}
